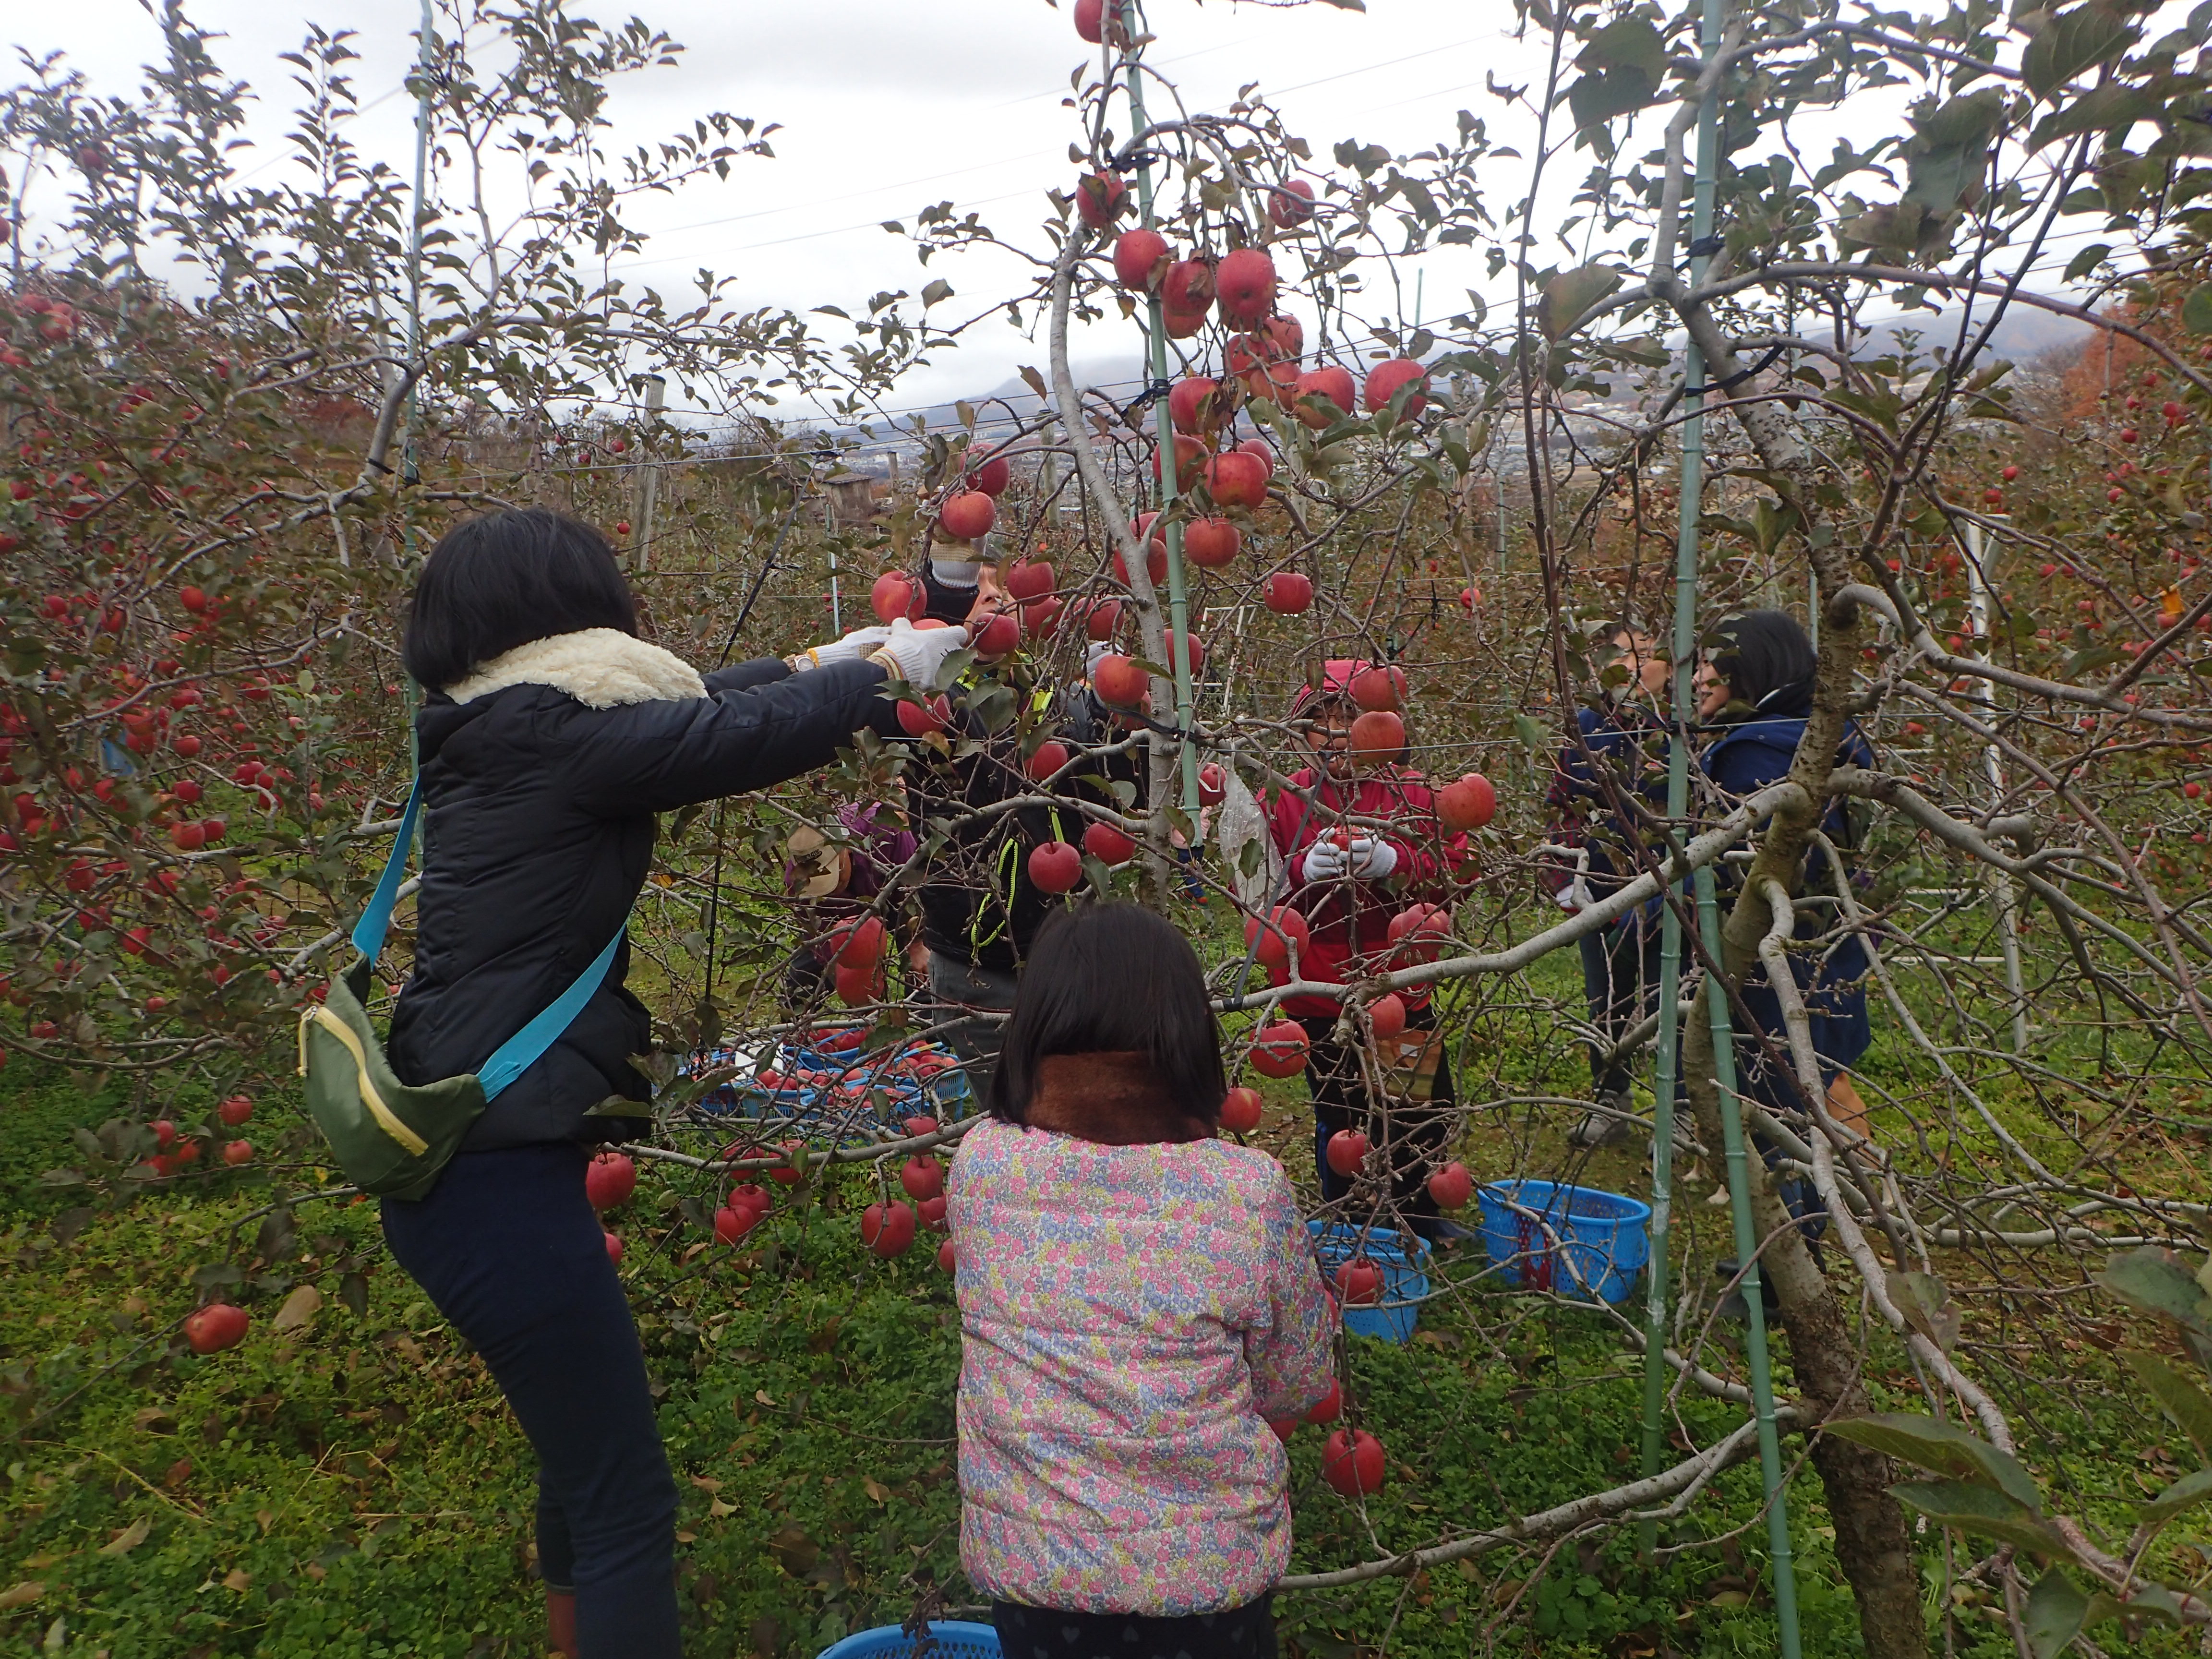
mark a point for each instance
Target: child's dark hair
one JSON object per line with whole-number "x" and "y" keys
{"x": 504, "y": 580}
{"x": 1107, "y": 979}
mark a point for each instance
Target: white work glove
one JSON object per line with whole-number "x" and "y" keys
{"x": 1372, "y": 860}
{"x": 1325, "y": 860}
{"x": 915, "y": 654}
{"x": 861, "y": 642}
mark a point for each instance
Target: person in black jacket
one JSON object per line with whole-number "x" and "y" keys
{"x": 550, "y": 736}
{"x": 979, "y": 910}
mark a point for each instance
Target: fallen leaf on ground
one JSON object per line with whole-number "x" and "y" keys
{"x": 22, "y": 1595}
{"x": 128, "y": 1539}
{"x": 299, "y": 1308}
{"x": 237, "y": 1579}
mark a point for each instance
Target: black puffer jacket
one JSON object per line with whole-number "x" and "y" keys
{"x": 538, "y": 831}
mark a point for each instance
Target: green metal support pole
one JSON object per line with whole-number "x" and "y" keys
{"x": 409, "y": 471}
{"x": 1667, "y": 1068}
{"x": 1163, "y": 427}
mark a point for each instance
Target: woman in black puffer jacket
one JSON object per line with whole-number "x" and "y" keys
{"x": 551, "y": 736}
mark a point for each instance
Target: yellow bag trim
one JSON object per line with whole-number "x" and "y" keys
{"x": 386, "y": 1119}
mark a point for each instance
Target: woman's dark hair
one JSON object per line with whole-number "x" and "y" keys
{"x": 504, "y": 580}
{"x": 1767, "y": 662}
{"x": 1107, "y": 979}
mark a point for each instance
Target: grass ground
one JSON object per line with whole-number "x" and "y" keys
{"x": 352, "y": 1486}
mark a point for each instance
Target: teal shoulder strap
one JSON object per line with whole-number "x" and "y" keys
{"x": 376, "y": 920}
{"x": 521, "y": 1051}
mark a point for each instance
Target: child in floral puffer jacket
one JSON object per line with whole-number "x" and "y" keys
{"x": 1138, "y": 1298}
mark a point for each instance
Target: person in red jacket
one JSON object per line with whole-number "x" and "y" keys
{"x": 1358, "y": 845}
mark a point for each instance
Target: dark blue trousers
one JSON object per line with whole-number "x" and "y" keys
{"x": 508, "y": 1248}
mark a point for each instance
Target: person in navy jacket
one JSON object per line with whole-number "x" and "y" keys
{"x": 1755, "y": 693}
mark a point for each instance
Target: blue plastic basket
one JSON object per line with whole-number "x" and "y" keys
{"x": 949, "y": 1638}
{"x": 1401, "y": 1257}
{"x": 1605, "y": 1238}
{"x": 857, "y": 1083}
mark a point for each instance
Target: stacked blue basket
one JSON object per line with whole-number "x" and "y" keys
{"x": 948, "y": 1639}
{"x": 857, "y": 1081}
{"x": 1403, "y": 1258}
{"x": 1604, "y": 1239}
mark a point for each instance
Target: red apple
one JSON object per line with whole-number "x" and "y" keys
{"x": 788, "y": 1174}
{"x": 990, "y": 475}
{"x": 238, "y": 1152}
{"x": 1378, "y": 737}
{"x": 1467, "y": 804}
{"x": 1284, "y": 1427}
{"x": 1346, "y": 1152}
{"x": 1420, "y": 933}
{"x": 1241, "y": 1110}
{"x": 888, "y": 1228}
{"x": 998, "y": 636}
{"x": 1182, "y": 325}
{"x": 1279, "y": 1050}
{"x": 1195, "y": 647}
{"x": 918, "y": 1125}
{"x": 235, "y": 1111}
{"x": 1245, "y": 283}
{"x": 1359, "y": 1280}
{"x": 1384, "y": 381}
{"x": 1054, "y": 866}
{"x": 947, "y": 1258}
{"x": 919, "y": 720}
{"x": 1258, "y": 450}
{"x": 858, "y": 988}
{"x": 1156, "y": 551}
{"x": 968, "y": 516}
{"x": 1196, "y": 406}
{"x": 1050, "y": 757}
{"x": 1188, "y": 289}
{"x": 614, "y": 1246}
{"x": 1100, "y": 198}
{"x": 1212, "y": 784}
{"x": 1386, "y": 1017}
{"x": 1287, "y": 593}
{"x": 923, "y": 1176}
{"x": 1119, "y": 682}
{"x": 895, "y": 595}
{"x": 188, "y": 837}
{"x": 1040, "y": 617}
{"x": 1329, "y": 1407}
{"x": 217, "y": 1327}
{"x": 1140, "y": 260}
{"x": 1107, "y": 844}
{"x": 933, "y": 1212}
{"x": 1211, "y": 543}
{"x": 1101, "y": 616}
{"x": 1190, "y": 462}
{"x": 609, "y": 1180}
{"x": 1354, "y": 1467}
{"x": 164, "y": 1132}
{"x": 1379, "y": 688}
{"x": 1271, "y": 941}
{"x": 1264, "y": 362}
{"x": 1030, "y": 579}
{"x": 734, "y": 1220}
{"x": 1332, "y": 383}
{"x": 1290, "y": 202}
{"x": 857, "y": 943}
{"x": 1238, "y": 479}
{"x": 1452, "y": 1186}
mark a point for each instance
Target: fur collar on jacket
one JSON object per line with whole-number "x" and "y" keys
{"x": 599, "y": 667}
{"x": 1112, "y": 1099}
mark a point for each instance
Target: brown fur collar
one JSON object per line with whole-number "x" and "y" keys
{"x": 1111, "y": 1099}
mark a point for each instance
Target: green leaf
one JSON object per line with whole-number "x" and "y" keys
{"x": 2056, "y": 1612}
{"x": 1568, "y": 296}
{"x": 2186, "y": 1493}
{"x": 2074, "y": 42}
{"x": 1926, "y": 1304}
{"x": 2158, "y": 1282}
{"x": 934, "y": 291}
{"x": 1947, "y": 1450}
{"x": 2197, "y": 309}
{"x": 1526, "y": 728}
{"x": 1948, "y": 153}
{"x": 1983, "y": 1510}
{"x": 2177, "y": 1395}
{"x": 2088, "y": 260}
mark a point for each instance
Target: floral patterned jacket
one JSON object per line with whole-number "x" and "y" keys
{"x": 1132, "y": 1316}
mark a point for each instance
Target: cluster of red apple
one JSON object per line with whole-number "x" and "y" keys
{"x": 173, "y": 1150}
{"x": 888, "y": 1227}
{"x": 1352, "y": 1462}
{"x": 1452, "y": 1185}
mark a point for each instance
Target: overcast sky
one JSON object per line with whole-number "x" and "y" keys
{"x": 886, "y": 107}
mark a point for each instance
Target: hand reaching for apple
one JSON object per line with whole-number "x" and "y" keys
{"x": 915, "y": 654}
{"x": 861, "y": 642}
{"x": 1364, "y": 858}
